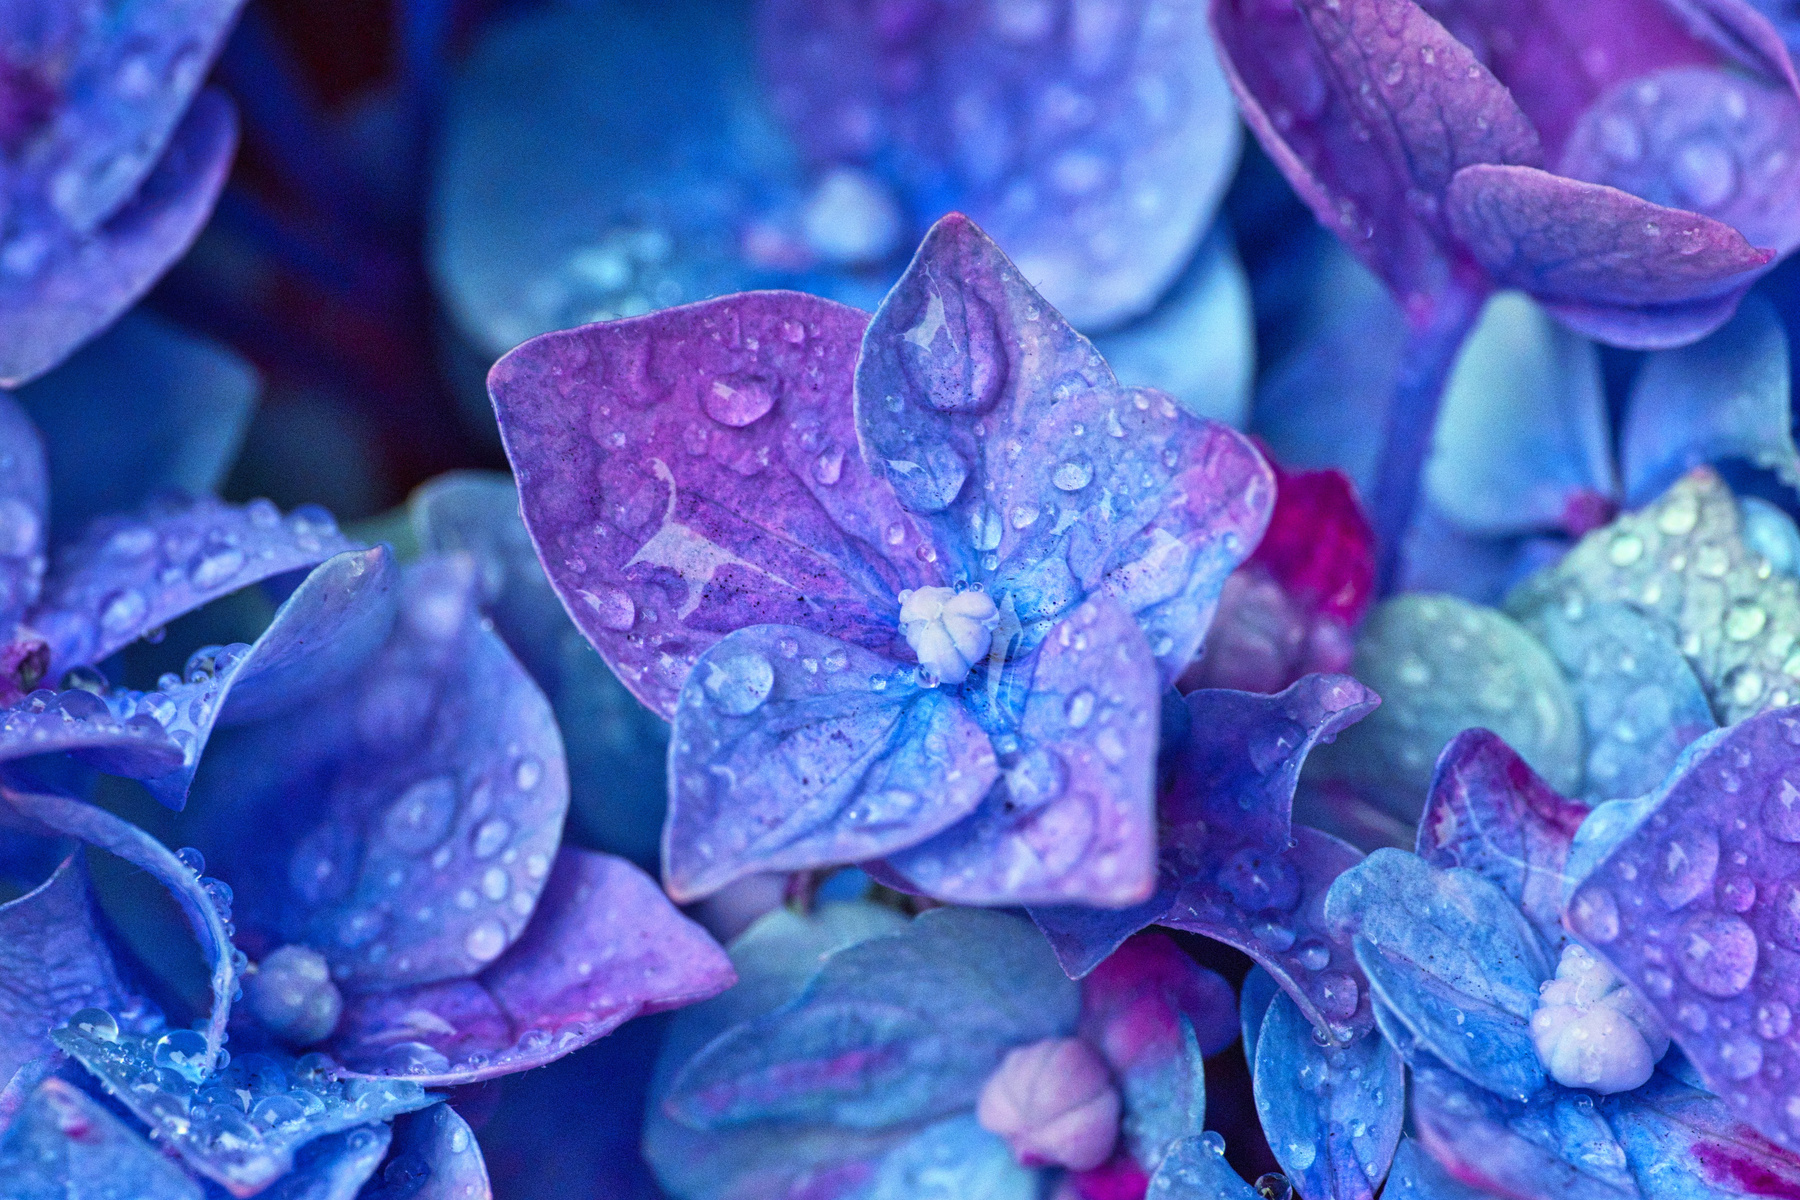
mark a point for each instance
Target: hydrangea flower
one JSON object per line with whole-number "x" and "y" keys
{"x": 1533, "y": 961}
{"x": 112, "y": 156}
{"x": 810, "y": 145}
{"x": 865, "y": 1054}
{"x": 1600, "y": 669}
{"x": 909, "y": 589}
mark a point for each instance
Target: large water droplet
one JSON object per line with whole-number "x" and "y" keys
{"x": 890, "y": 806}
{"x": 1686, "y": 866}
{"x": 1038, "y": 778}
{"x": 1257, "y": 880}
{"x": 1595, "y": 914}
{"x": 1080, "y": 708}
{"x": 123, "y": 610}
{"x": 422, "y": 816}
{"x": 486, "y": 941}
{"x": 611, "y": 607}
{"x": 984, "y": 527}
{"x": 97, "y": 1023}
{"x": 215, "y": 567}
{"x": 1781, "y": 811}
{"x": 1705, "y": 174}
{"x": 182, "y": 1051}
{"x": 738, "y": 682}
{"x": 738, "y": 400}
{"x": 1338, "y": 995}
{"x": 1073, "y": 475}
{"x": 490, "y": 836}
{"x": 1718, "y": 953}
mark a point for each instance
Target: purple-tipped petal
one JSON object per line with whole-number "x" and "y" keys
{"x": 24, "y": 512}
{"x": 1233, "y": 866}
{"x": 1334, "y": 1134}
{"x": 436, "y": 1158}
{"x": 53, "y": 961}
{"x": 1074, "y": 821}
{"x": 63, "y": 284}
{"x": 1093, "y": 147}
{"x": 130, "y": 574}
{"x": 431, "y": 781}
{"x": 1490, "y": 813}
{"x": 1689, "y": 895}
{"x": 604, "y": 945}
{"x": 1454, "y": 966}
{"x": 696, "y": 471}
{"x": 1682, "y": 1142}
{"x": 334, "y": 1167}
{"x": 65, "y": 1146}
{"x": 1038, "y": 474}
{"x": 794, "y": 750}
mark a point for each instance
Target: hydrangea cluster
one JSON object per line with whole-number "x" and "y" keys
{"x": 865, "y": 600}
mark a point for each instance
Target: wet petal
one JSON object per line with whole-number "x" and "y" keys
{"x": 1682, "y": 1142}
{"x": 1724, "y": 397}
{"x": 1689, "y": 895}
{"x": 1454, "y": 966}
{"x": 1522, "y": 441}
{"x": 1682, "y": 561}
{"x": 436, "y": 1158}
{"x": 80, "y": 722}
{"x": 334, "y": 1167}
{"x": 190, "y": 401}
{"x": 1075, "y": 819}
{"x": 618, "y": 787}
{"x": 1417, "y": 1176}
{"x": 696, "y": 471}
{"x": 958, "y": 1156}
{"x": 1153, "y": 1012}
{"x": 128, "y": 575}
{"x": 890, "y": 1030}
{"x": 795, "y": 750}
{"x": 1258, "y": 991}
{"x": 24, "y": 505}
{"x": 1094, "y": 151}
{"x": 400, "y": 821}
{"x": 1195, "y": 1169}
{"x": 604, "y": 946}
{"x": 65, "y": 281}
{"x": 1332, "y": 1114}
{"x": 1038, "y": 474}
{"x": 1233, "y": 866}
{"x": 64, "y": 1146}
{"x": 1442, "y": 665}
{"x": 53, "y": 961}
{"x": 1491, "y": 813}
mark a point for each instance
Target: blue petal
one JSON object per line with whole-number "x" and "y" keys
{"x": 334, "y": 1167}
{"x": 1451, "y": 959}
{"x": 1443, "y": 557}
{"x": 618, "y": 787}
{"x": 80, "y": 722}
{"x": 1195, "y": 1169}
{"x": 956, "y": 1158}
{"x": 1332, "y": 1114}
{"x": 1208, "y": 306}
{"x": 1685, "y": 1144}
{"x": 64, "y": 1146}
{"x": 1258, "y": 991}
{"x": 1726, "y": 396}
{"x": 145, "y": 408}
{"x": 1640, "y": 702}
{"x": 53, "y": 961}
{"x": 24, "y": 504}
{"x": 1417, "y": 1176}
{"x": 1522, "y": 434}
{"x": 891, "y": 1030}
{"x": 435, "y": 1158}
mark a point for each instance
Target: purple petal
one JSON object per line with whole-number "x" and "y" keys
{"x": 1689, "y": 895}
{"x": 1567, "y": 241}
{"x": 1490, "y": 813}
{"x": 1734, "y": 621}
{"x": 435, "y": 1158}
{"x": 1038, "y": 474}
{"x": 604, "y": 946}
{"x": 794, "y": 750}
{"x": 1683, "y": 1142}
{"x": 48, "y": 722}
{"x": 1075, "y": 821}
{"x": 53, "y": 961}
{"x": 129, "y": 575}
{"x": 65, "y": 1145}
{"x": 70, "y": 282}
{"x": 1454, "y": 966}
{"x": 695, "y": 471}
{"x": 334, "y": 1167}
{"x": 1228, "y": 870}
{"x": 1334, "y": 1134}
{"x": 1049, "y": 133}
{"x": 24, "y": 505}
{"x": 1153, "y": 1012}
{"x": 431, "y": 781}
{"x": 1725, "y": 397}
{"x": 1370, "y": 152}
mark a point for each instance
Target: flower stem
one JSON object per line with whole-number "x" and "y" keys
{"x": 1436, "y": 336}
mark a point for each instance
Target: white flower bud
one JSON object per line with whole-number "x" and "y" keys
{"x": 1054, "y": 1103}
{"x": 1591, "y": 1031}
{"x": 950, "y": 631}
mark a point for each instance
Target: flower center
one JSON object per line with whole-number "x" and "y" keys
{"x": 1593, "y": 1032}
{"x": 950, "y": 631}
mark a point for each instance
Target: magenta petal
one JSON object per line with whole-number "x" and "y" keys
{"x": 1075, "y": 820}
{"x": 78, "y": 281}
{"x": 695, "y": 471}
{"x": 24, "y": 512}
{"x": 53, "y": 961}
{"x": 1490, "y": 812}
{"x": 1690, "y": 894}
{"x": 604, "y": 946}
{"x": 130, "y": 574}
{"x": 794, "y": 750}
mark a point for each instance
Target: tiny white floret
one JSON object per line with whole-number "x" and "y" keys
{"x": 950, "y": 631}
{"x": 1591, "y": 1031}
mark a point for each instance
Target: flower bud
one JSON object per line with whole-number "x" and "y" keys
{"x": 1054, "y": 1103}
{"x": 1593, "y": 1032}
{"x": 950, "y": 631}
{"x": 292, "y": 994}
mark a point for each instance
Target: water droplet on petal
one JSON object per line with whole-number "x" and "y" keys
{"x": 739, "y": 682}
{"x": 1718, "y": 953}
{"x": 485, "y": 941}
{"x": 182, "y": 1051}
{"x": 1080, "y": 708}
{"x": 1073, "y": 475}
{"x": 97, "y": 1023}
{"x": 739, "y": 400}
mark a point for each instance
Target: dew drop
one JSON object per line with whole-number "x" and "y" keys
{"x": 422, "y": 816}
{"x": 491, "y": 835}
{"x": 1073, "y": 475}
{"x": 1080, "y": 708}
{"x": 97, "y": 1023}
{"x": 738, "y": 683}
{"x": 123, "y": 610}
{"x": 1595, "y": 914}
{"x": 1718, "y": 953}
{"x": 182, "y": 1051}
{"x": 739, "y": 400}
{"x": 485, "y": 941}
